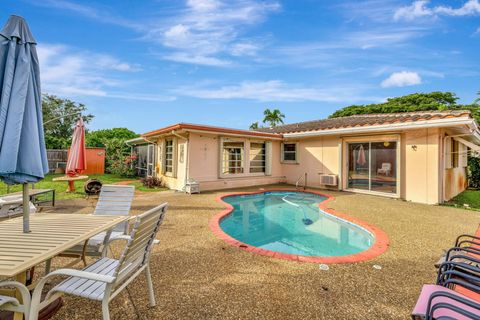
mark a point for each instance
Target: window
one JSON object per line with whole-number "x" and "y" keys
{"x": 455, "y": 152}
{"x": 257, "y": 157}
{"x": 232, "y": 157}
{"x": 169, "y": 156}
{"x": 289, "y": 152}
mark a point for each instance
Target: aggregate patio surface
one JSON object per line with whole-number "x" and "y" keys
{"x": 198, "y": 276}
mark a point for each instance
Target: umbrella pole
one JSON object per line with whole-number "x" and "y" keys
{"x": 26, "y": 209}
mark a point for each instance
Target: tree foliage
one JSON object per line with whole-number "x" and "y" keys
{"x": 273, "y": 117}
{"x": 59, "y": 118}
{"x": 254, "y": 126}
{"x": 98, "y": 138}
{"x": 412, "y": 102}
{"x": 474, "y": 172}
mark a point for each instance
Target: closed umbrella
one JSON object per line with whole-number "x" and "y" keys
{"x": 77, "y": 162}
{"x": 361, "y": 156}
{"x": 23, "y": 156}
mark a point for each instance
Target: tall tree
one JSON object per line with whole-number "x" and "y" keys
{"x": 59, "y": 118}
{"x": 273, "y": 117}
{"x": 413, "y": 102}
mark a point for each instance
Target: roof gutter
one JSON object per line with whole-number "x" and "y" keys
{"x": 236, "y": 134}
{"x": 388, "y": 127}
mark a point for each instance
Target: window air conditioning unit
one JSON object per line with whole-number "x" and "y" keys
{"x": 328, "y": 179}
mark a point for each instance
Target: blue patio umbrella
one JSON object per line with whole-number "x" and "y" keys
{"x": 23, "y": 156}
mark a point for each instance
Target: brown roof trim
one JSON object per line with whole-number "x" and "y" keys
{"x": 367, "y": 120}
{"x": 197, "y": 127}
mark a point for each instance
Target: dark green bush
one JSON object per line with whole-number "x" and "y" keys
{"x": 152, "y": 182}
{"x": 474, "y": 172}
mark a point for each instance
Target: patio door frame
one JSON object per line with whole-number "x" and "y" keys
{"x": 371, "y": 139}
{"x": 150, "y": 160}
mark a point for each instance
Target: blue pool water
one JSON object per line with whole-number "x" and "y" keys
{"x": 275, "y": 221}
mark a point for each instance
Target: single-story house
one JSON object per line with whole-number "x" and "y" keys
{"x": 415, "y": 156}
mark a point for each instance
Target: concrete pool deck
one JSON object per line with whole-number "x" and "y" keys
{"x": 198, "y": 276}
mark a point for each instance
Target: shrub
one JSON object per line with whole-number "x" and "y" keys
{"x": 474, "y": 172}
{"x": 152, "y": 182}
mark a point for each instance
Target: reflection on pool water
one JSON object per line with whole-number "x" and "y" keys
{"x": 276, "y": 221}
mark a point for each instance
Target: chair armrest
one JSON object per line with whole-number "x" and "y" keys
{"x": 80, "y": 274}
{"x": 469, "y": 243}
{"x": 432, "y": 306}
{"x": 465, "y": 258}
{"x": 468, "y": 236}
{"x": 457, "y": 252}
{"x": 20, "y": 287}
{"x": 37, "y": 293}
{"x": 459, "y": 277}
{"x": 111, "y": 240}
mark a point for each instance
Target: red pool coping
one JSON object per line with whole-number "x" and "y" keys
{"x": 379, "y": 246}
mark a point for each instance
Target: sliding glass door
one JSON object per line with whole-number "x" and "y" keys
{"x": 372, "y": 166}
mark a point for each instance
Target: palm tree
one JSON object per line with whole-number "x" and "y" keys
{"x": 477, "y": 101}
{"x": 254, "y": 126}
{"x": 273, "y": 117}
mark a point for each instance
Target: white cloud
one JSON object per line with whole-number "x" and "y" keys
{"x": 416, "y": 10}
{"x": 209, "y": 32}
{"x": 420, "y": 9}
{"x": 101, "y": 15}
{"x": 192, "y": 58}
{"x": 276, "y": 90}
{"x": 67, "y": 72}
{"x": 402, "y": 79}
{"x": 470, "y": 8}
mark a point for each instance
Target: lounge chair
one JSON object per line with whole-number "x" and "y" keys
{"x": 386, "y": 169}
{"x": 454, "y": 296}
{"x": 107, "y": 277}
{"x": 11, "y": 205}
{"x": 468, "y": 244}
{"x": 113, "y": 200}
{"x": 8, "y": 303}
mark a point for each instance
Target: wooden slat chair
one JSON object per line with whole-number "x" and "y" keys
{"x": 105, "y": 278}
{"x": 9, "y": 303}
{"x": 113, "y": 200}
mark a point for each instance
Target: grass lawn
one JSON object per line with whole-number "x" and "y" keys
{"x": 469, "y": 197}
{"x": 61, "y": 187}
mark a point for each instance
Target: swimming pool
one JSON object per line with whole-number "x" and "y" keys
{"x": 292, "y": 223}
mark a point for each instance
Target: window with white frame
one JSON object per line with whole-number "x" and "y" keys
{"x": 257, "y": 157}
{"x": 232, "y": 157}
{"x": 289, "y": 152}
{"x": 169, "y": 156}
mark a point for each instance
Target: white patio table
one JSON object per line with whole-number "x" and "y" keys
{"x": 51, "y": 234}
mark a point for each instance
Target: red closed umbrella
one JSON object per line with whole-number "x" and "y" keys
{"x": 77, "y": 162}
{"x": 361, "y": 156}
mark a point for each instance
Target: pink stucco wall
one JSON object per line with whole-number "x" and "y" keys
{"x": 204, "y": 165}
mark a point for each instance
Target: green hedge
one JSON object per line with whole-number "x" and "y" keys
{"x": 474, "y": 172}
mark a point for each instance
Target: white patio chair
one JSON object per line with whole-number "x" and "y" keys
{"x": 385, "y": 169}
{"x": 12, "y": 205}
{"x": 107, "y": 277}
{"x": 8, "y": 303}
{"x": 113, "y": 200}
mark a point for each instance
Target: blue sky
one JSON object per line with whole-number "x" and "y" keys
{"x": 147, "y": 64}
